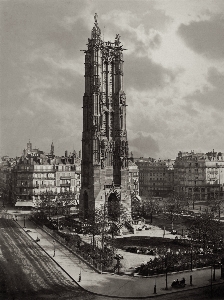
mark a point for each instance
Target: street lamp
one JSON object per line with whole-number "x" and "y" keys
{"x": 222, "y": 268}
{"x": 214, "y": 265}
{"x": 211, "y": 282}
{"x": 54, "y": 248}
{"x": 166, "y": 266}
{"x": 24, "y": 222}
{"x": 191, "y": 254}
{"x": 166, "y": 288}
{"x": 214, "y": 272}
{"x": 155, "y": 287}
{"x": 58, "y": 203}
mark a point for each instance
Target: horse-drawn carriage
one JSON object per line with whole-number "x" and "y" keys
{"x": 177, "y": 283}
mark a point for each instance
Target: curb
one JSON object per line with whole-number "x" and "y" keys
{"x": 172, "y": 273}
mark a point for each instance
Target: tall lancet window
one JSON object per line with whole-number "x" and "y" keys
{"x": 121, "y": 121}
{"x": 111, "y": 123}
{"x": 107, "y": 123}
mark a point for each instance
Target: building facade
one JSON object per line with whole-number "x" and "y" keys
{"x": 156, "y": 178}
{"x": 104, "y": 170}
{"x": 36, "y": 174}
{"x": 68, "y": 178}
{"x": 199, "y": 174}
{"x": 6, "y": 165}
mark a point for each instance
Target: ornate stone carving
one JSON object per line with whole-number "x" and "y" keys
{"x": 122, "y": 99}
{"x": 119, "y": 132}
{"x": 117, "y": 40}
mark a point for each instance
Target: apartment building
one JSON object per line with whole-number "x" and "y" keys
{"x": 155, "y": 177}
{"x": 199, "y": 174}
{"x": 36, "y": 174}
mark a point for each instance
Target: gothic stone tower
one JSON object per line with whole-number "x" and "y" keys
{"x": 104, "y": 139}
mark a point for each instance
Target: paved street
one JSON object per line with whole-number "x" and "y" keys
{"x": 112, "y": 285}
{"x": 25, "y": 271}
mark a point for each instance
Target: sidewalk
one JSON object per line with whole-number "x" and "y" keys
{"x": 109, "y": 284}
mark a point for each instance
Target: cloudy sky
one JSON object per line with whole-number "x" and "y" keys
{"x": 173, "y": 72}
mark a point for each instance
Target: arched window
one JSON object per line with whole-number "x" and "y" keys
{"x": 113, "y": 207}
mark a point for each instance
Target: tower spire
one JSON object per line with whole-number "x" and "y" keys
{"x": 96, "y": 32}
{"x": 52, "y": 148}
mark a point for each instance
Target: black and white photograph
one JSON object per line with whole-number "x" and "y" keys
{"x": 111, "y": 149}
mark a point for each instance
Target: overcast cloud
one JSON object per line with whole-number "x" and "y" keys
{"x": 173, "y": 73}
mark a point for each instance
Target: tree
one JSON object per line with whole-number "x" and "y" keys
{"x": 149, "y": 207}
{"x": 216, "y": 205}
{"x": 106, "y": 224}
{"x": 96, "y": 223}
{"x": 172, "y": 209}
{"x": 66, "y": 199}
{"x": 206, "y": 230}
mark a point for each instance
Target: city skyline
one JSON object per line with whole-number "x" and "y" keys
{"x": 173, "y": 73}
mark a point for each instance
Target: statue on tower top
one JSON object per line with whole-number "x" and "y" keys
{"x": 95, "y": 18}
{"x": 96, "y": 32}
{"x": 117, "y": 40}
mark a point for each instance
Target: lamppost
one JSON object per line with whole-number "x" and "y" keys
{"x": 166, "y": 266}
{"x": 57, "y": 204}
{"x": 54, "y": 248}
{"x": 211, "y": 281}
{"x": 222, "y": 268}
{"x": 24, "y": 222}
{"x": 166, "y": 288}
{"x": 191, "y": 258}
{"x": 214, "y": 272}
{"x": 214, "y": 266}
{"x": 155, "y": 287}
